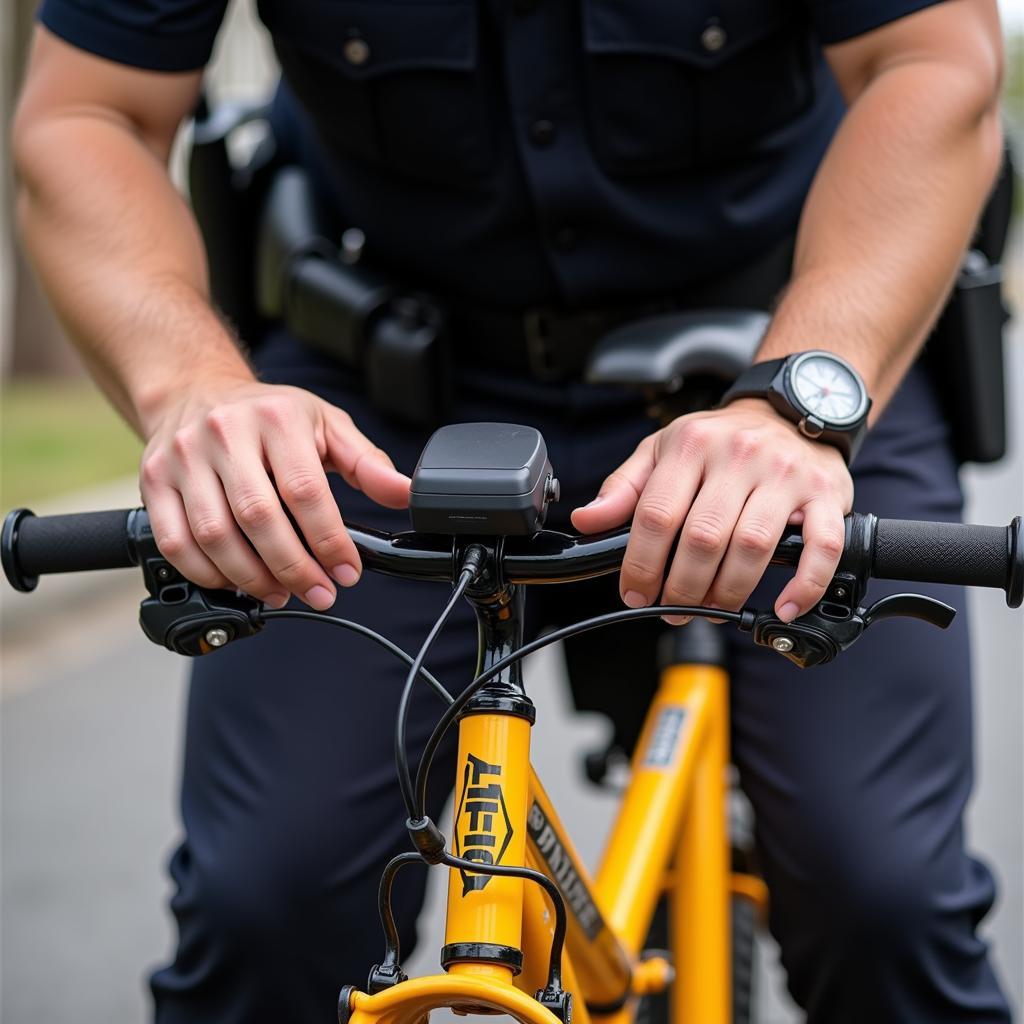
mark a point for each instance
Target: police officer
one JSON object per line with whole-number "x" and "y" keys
{"x": 513, "y": 155}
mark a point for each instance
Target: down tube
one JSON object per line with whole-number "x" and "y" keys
{"x": 700, "y": 889}
{"x": 602, "y": 968}
{"x": 674, "y": 812}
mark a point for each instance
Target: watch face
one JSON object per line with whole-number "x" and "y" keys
{"x": 827, "y": 388}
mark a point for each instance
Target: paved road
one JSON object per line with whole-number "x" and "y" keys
{"x": 90, "y": 736}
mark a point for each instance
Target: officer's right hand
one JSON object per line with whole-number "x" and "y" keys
{"x": 223, "y": 463}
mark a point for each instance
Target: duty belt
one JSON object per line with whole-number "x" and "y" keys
{"x": 550, "y": 344}
{"x": 404, "y": 342}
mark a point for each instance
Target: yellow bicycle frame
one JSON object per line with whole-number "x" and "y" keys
{"x": 670, "y": 837}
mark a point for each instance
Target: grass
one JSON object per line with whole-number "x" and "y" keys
{"x": 57, "y": 436}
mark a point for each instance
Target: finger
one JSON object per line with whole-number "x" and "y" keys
{"x": 302, "y": 485}
{"x": 659, "y": 514}
{"x": 218, "y": 522}
{"x": 750, "y": 550}
{"x": 361, "y": 463}
{"x": 824, "y": 537}
{"x": 704, "y": 539}
{"x": 619, "y": 494}
{"x": 174, "y": 539}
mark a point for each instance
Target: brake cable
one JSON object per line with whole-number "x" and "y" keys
{"x": 389, "y": 971}
{"x": 472, "y": 563}
{"x": 744, "y": 620}
{"x": 425, "y": 834}
{"x": 370, "y": 634}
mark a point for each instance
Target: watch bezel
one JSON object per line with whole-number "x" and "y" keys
{"x": 842, "y": 423}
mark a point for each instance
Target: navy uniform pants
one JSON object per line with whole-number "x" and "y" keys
{"x": 858, "y": 772}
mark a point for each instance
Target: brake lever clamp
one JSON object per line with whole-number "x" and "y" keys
{"x": 199, "y": 621}
{"x": 185, "y": 618}
{"x": 839, "y": 620}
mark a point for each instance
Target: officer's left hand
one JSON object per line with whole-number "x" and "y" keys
{"x": 730, "y": 480}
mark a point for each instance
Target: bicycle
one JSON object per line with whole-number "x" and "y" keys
{"x": 529, "y": 932}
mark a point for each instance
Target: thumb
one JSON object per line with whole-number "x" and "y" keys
{"x": 361, "y": 463}
{"x": 618, "y": 495}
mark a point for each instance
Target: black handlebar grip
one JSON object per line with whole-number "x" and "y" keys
{"x": 974, "y": 556}
{"x": 35, "y": 545}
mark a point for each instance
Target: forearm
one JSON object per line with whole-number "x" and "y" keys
{"x": 121, "y": 259}
{"x": 887, "y": 220}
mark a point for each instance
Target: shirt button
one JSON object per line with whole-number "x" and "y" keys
{"x": 356, "y": 51}
{"x": 713, "y": 38}
{"x": 542, "y": 133}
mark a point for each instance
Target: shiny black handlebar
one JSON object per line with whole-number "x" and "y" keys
{"x": 978, "y": 556}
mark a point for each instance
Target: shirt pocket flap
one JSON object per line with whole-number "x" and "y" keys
{"x": 701, "y": 34}
{"x": 366, "y": 39}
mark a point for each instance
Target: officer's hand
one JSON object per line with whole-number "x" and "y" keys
{"x": 222, "y": 465}
{"x": 729, "y": 480}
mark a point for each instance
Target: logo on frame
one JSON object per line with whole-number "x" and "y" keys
{"x": 664, "y": 742}
{"x": 483, "y": 829}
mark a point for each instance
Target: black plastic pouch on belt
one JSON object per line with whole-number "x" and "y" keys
{"x": 965, "y": 351}
{"x": 395, "y": 339}
{"x": 226, "y": 196}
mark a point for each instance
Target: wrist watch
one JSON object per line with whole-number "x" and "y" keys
{"x": 819, "y": 392}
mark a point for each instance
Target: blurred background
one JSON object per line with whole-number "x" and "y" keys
{"x": 90, "y": 713}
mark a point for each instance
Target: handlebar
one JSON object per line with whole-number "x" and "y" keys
{"x": 922, "y": 552}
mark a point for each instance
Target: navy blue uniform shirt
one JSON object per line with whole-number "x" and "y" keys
{"x": 537, "y": 151}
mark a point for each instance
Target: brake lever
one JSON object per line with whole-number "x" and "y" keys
{"x": 186, "y": 618}
{"x": 834, "y": 625}
{"x": 910, "y": 606}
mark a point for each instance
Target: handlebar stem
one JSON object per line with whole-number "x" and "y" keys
{"x": 500, "y": 618}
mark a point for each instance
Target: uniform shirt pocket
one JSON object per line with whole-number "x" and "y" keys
{"x": 395, "y": 84}
{"x": 682, "y": 85}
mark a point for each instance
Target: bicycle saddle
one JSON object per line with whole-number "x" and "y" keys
{"x": 660, "y": 351}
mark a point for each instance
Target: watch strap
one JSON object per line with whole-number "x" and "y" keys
{"x": 754, "y": 381}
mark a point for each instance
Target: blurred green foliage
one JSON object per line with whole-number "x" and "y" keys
{"x": 1013, "y": 110}
{"x": 1013, "y": 88}
{"x": 58, "y": 435}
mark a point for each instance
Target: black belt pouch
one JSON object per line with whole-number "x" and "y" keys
{"x": 265, "y": 205}
{"x": 965, "y": 351}
{"x": 226, "y": 197}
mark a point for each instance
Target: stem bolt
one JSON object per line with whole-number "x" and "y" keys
{"x": 839, "y": 591}
{"x": 217, "y": 637}
{"x": 782, "y": 644}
